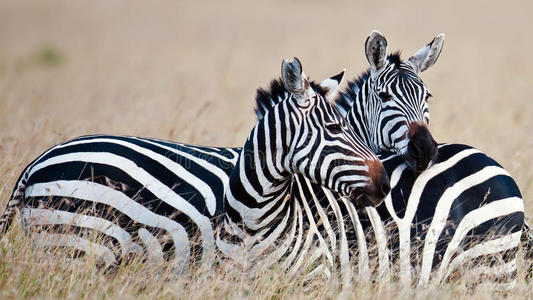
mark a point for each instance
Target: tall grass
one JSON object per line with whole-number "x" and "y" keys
{"x": 27, "y": 272}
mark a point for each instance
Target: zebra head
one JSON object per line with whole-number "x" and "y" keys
{"x": 388, "y": 106}
{"x": 323, "y": 147}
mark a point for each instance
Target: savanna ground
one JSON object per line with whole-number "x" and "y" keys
{"x": 188, "y": 72}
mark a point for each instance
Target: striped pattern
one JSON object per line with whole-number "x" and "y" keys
{"x": 465, "y": 202}
{"x": 387, "y": 105}
{"x": 137, "y": 192}
{"x": 267, "y": 223}
{"x": 181, "y": 203}
{"x": 465, "y": 208}
{"x": 381, "y": 105}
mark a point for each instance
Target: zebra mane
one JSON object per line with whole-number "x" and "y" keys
{"x": 345, "y": 99}
{"x": 266, "y": 99}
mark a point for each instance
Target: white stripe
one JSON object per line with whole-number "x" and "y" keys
{"x": 310, "y": 143}
{"x": 102, "y": 194}
{"x": 489, "y": 247}
{"x": 279, "y": 143}
{"x": 443, "y": 209}
{"x": 232, "y": 161}
{"x": 321, "y": 217}
{"x": 363, "y": 259}
{"x": 299, "y": 237}
{"x": 241, "y": 164}
{"x": 45, "y": 239}
{"x": 39, "y": 216}
{"x": 153, "y": 247}
{"x": 344, "y": 251}
{"x": 381, "y": 240}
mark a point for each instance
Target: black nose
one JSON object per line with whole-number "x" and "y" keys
{"x": 422, "y": 148}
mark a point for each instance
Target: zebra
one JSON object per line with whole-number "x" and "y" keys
{"x": 426, "y": 209}
{"x": 387, "y": 106}
{"x": 182, "y": 203}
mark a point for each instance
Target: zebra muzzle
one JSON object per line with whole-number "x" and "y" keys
{"x": 421, "y": 149}
{"x": 376, "y": 189}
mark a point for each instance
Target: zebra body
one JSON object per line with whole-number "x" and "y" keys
{"x": 465, "y": 208}
{"x": 151, "y": 192}
{"x": 181, "y": 203}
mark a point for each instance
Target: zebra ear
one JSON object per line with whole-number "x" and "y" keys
{"x": 376, "y": 49}
{"x": 329, "y": 86}
{"x": 428, "y": 55}
{"x": 294, "y": 79}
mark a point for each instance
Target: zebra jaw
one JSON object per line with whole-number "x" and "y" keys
{"x": 362, "y": 197}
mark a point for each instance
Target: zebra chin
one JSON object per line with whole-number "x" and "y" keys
{"x": 418, "y": 166}
{"x": 374, "y": 192}
{"x": 364, "y": 197}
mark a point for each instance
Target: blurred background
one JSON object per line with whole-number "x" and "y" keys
{"x": 188, "y": 71}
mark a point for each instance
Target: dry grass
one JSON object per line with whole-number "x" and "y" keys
{"x": 29, "y": 272}
{"x": 188, "y": 72}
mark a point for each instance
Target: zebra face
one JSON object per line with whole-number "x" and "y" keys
{"x": 398, "y": 100}
{"x": 393, "y": 102}
{"x": 325, "y": 149}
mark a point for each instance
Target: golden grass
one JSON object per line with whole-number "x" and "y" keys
{"x": 188, "y": 72}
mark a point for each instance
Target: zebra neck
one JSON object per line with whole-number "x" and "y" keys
{"x": 261, "y": 179}
{"x": 358, "y": 117}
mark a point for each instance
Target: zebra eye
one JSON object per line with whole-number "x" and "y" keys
{"x": 334, "y": 128}
{"x": 428, "y": 95}
{"x": 385, "y": 96}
